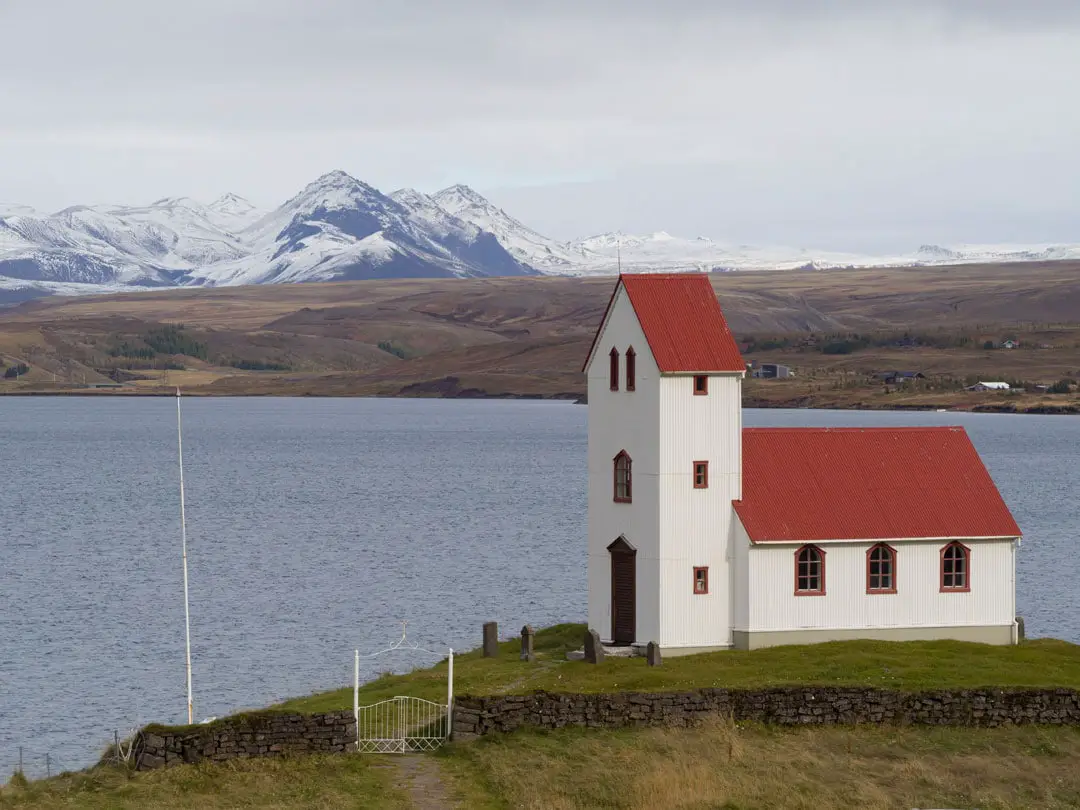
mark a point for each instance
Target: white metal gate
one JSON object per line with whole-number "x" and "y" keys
{"x": 401, "y": 724}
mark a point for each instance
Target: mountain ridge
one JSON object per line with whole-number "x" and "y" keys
{"x": 339, "y": 227}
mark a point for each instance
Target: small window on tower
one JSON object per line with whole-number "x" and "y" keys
{"x": 701, "y": 580}
{"x": 631, "y": 368}
{"x": 623, "y": 484}
{"x": 701, "y": 385}
{"x": 613, "y": 371}
{"x": 701, "y": 475}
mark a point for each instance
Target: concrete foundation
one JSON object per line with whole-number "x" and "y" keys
{"x": 984, "y": 634}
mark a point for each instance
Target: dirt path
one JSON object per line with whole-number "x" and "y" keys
{"x": 420, "y": 777}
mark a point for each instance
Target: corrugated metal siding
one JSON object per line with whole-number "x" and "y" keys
{"x": 621, "y": 420}
{"x": 695, "y": 524}
{"x": 740, "y": 555}
{"x": 846, "y": 605}
{"x": 683, "y": 322}
{"x": 865, "y": 483}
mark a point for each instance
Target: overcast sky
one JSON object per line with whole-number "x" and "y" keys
{"x": 859, "y": 125}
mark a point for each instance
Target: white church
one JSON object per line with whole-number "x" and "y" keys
{"x": 707, "y": 535}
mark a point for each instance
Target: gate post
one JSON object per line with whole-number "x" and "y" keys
{"x": 450, "y": 696}
{"x": 356, "y": 696}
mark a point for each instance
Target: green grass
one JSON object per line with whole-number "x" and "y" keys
{"x": 724, "y": 765}
{"x": 908, "y": 665}
{"x": 301, "y": 783}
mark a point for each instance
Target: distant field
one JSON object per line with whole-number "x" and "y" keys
{"x": 528, "y": 337}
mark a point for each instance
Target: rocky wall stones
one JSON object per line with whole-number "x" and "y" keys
{"x": 780, "y": 706}
{"x": 246, "y": 736}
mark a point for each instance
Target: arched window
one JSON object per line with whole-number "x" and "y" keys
{"x": 631, "y": 368}
{"x": 809, "y": 571}
{"x": 956, "y": 567}
{"x": 881, "y": 569}
{"x": 613, "y": 372}
{"x": 624, "y": 492}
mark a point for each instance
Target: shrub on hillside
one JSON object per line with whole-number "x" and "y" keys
{"x": 15, "y": 371}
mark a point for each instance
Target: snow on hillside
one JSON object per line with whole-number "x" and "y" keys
{"x": 604, "y": 254}
{"x": 231, "y": 212}
{"x": 526, "y": 245}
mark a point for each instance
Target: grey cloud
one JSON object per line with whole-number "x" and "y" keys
{"x": 740, "y": 119}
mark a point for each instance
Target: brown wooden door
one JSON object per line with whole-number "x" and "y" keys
{"x": 623, "y": 592}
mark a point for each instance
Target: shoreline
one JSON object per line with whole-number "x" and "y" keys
{"x": 800, "y": 403}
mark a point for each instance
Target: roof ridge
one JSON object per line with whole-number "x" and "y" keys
{"x": 854, "y": 429}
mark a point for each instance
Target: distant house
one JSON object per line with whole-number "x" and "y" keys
{"x": 1010, "y": 344}
{"x": 989, "y": 386}
{"x": 894, "y": 377}
{"x": 772, "y": 371}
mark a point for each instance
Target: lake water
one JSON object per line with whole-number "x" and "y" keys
{"x": 317, "y": 525}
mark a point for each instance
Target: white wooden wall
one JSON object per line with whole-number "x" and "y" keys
{"x": 695, "y": 524}
{"x": 623, "y": 420}
{"x": 919, "y": 602}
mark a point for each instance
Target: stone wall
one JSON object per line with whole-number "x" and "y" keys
{"x": 781, "y": 706}
{"x": 245, "y": 736}
{"x": 271, "y": 734}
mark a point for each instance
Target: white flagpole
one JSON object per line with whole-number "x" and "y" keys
{"x": 183, "y": 536}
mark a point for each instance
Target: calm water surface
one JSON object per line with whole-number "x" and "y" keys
{"x": 317, "y": 526}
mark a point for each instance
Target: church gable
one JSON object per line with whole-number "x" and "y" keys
{"x": 681, "y": 320}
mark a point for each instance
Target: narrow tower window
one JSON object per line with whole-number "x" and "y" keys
{"x": 613, "y": 373}
{"x": 623, "y": 485}
{"x": 809, "y": 571}
{"x": 701, "y": 580}
{"x": 631, "y": 368}
{"x": 701, "y": 385}
{"x": 701, "y": 475}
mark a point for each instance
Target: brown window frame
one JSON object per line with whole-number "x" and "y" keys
{"x": 704, "y": 569}
{"x": 631, "y": 369}
{"x": 613, "y": 369}
{"x": 892, "y": 569}
{"x": 820, "y": 591}
{"x": 629, "y": 496}
{"x": 704, "y": 389}
{"x": 705, "y": 475}
{"x": 965, "y": 555}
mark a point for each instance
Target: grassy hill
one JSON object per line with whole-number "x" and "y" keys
{"x": 528, "y": 337}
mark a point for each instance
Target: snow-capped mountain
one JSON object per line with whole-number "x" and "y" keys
{"x": 524, "y": 244}
{"x": 336, "y": 228}
{"x": 339, "y": 227}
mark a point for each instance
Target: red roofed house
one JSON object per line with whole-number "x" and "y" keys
{"x": 706, "y": 535}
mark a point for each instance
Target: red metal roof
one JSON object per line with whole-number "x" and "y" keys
{"x": 682, "y": 322}
{"x": 867, "y": 484}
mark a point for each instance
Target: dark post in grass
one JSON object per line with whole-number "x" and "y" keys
{"x": 652, "y": 654}
{"x": 491, "y": 640}
{"x": 527, "y": 651}
{"x": 1019, "y": 629}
